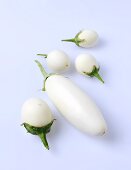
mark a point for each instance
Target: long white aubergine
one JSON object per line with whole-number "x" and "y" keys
{"x": 76, "y": 106}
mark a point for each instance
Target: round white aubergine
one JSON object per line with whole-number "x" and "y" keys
{"x": 86, "y": 64}
{"x": 74, "y": 104}
{"x": 37, "y": 118}
{"x": 57, "y": 60}
{"x": 85, "y": 38}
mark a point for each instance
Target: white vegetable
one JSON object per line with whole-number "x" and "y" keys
{"x": 84, "y": 38}
{"x": 36, "y": 112}
{"x": 37, "y": 118}
{"x": 57, "y": 60}
{"x": 74, "y": 104}
{"x": 86, "y": 64}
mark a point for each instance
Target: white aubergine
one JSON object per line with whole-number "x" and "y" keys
{"x": 57, "y": 60}
{"x": 86, "y": 64}
{"x": 85, "y": 38}
{"x": 37, "y": 118}
{"x": 77, "y": 107}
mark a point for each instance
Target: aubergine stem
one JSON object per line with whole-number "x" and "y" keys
{"x": 97, "y": 75}
{"x": 44, "y": 55}
{"x": 44, "y": 140}
{"x": 44, "y": 73}
{"x": 70, "y": 40}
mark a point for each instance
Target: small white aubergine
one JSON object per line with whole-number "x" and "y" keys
{"x": 76, "y": 106}
{"x": 86, "y": 64}
{"x": 84, "y": 38}
{"x": 37, "y": 118}
{"x": 57, "y": 60}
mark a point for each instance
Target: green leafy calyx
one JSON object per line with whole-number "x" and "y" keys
{"x": 95, "y": 73}
{"x": 75, "y": 40}
{"x": 40, "y": 131}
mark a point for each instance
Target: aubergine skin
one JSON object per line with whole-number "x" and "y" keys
{"x": 75, "y": 105}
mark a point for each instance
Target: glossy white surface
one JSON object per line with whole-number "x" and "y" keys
{"x": 31, "y": 27}
{"x": 86, "y": 115}
{"x": 90, "y": 38}
{"x": 36, "y": 112}
{"x": 58, "y": 61}
{"x": 85, "y": 63}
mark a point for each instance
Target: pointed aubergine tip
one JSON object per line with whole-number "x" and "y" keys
{"x": 104, "y": 131}
{"x": 101, "y": 133}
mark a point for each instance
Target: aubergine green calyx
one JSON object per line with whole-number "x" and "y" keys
{"x": 85, "y": 38}
{"x": 86, "y": 64}
{"x": 37, "y": 118}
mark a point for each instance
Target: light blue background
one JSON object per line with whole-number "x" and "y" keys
{"x": 28, "y": 27}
